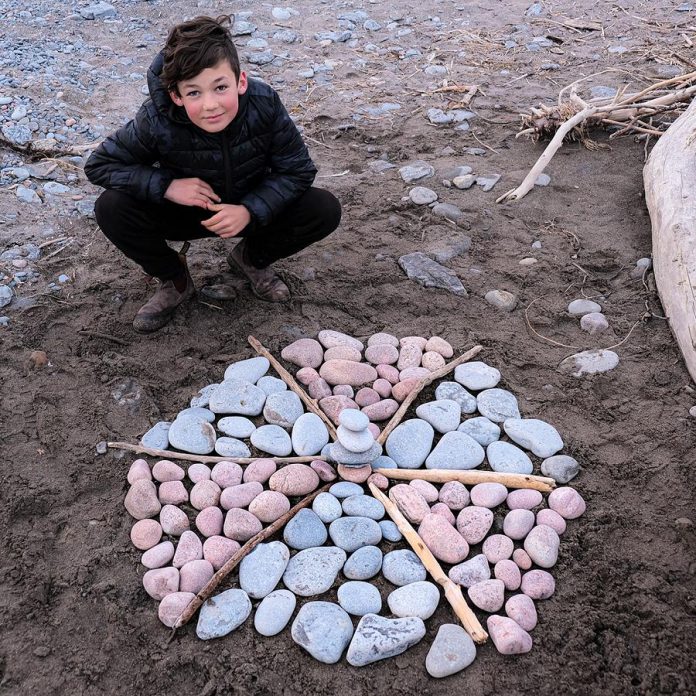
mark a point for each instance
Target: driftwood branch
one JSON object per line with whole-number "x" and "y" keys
{"x": 472, "y": 477}
{"x": 453, "y": 592}
{"x": 413, "y": 395}
{"x": 233, "y": 562}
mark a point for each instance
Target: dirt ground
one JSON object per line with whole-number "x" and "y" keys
{"x": 75, "y": 618}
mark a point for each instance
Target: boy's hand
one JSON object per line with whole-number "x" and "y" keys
{"x": 228, "y": 221}
{"x": 193, "y": 192}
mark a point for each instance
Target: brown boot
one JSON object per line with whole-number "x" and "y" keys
{"x": 265, "y": 283}
{"x": 160, "y": 308}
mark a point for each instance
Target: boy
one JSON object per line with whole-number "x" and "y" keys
{"x": 211, "y": 153}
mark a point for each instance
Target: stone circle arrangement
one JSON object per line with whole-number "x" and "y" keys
{"x": 462, "y": 493}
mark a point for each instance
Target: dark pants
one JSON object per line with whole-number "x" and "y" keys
{"x": 140, "y": 229}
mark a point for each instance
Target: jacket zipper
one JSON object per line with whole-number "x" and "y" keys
{"x": 228, "y": 169}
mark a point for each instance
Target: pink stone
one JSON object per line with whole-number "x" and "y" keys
{"x": 240, "y": 496}
{"x": 354, "y": 474}
{"x": 260, "y": 470}
{"x": 381, "y": 354}
{"x": 374, "y": 429}
{"x": 522, "y": 559}
{"x": 294, "y": 479}
{"x": 402, "y": 389}
{"x": 474, "y": 522}
{"x": 160, "y": 582}
{"x": 381, "y": 410}
{"x": 414, "y": 373}
{"x": 139, "y": 470}
{"x": 410, "y": 355}
{"x": 497, "y": 547}
{"x": 227, "y": 474}
{"x": 521, "y": 609}
{"x": 444, "y": 511}
{"x": 172, "y": 493}
{"x": 348, "y": 372}
{"x": 538, "y": 584}
{"x": 380, "y": 339}
{"x": 509, "y": 573}
{"x": 411, "y": 503}
{"x": 333, "y": 405}
{"x": 173, "y": 606}
{"x": 388, "y": 372}
{"x": 324, "y": 470}
{"x": 269, "y": 506}
{"x": 542, "y": 545}
{"x": 209, "y": 521}
{"x": 218, "y": 550}
{"x": 344, "y": 390}
{"x": 195, "y": 575}
{"x": 159, "y": 555}
{"x": 551, "y": 519}
{"x": 508, "y": 636}
{"x": 518, "y": 523}
{"x": 488, "y": 495}
{"x": 319, "y": 389}
{"x": 432, "y": 361}
{"x": 426, "y": 489}
{"x": 205, "y": 494}
{"x": 141, "y": 500}
{"x": 415, "y": 340}
{"x": 439, "y": 345}
{"x": 174, "y": 520}
{"x": 307, "y": 375}
{"x": 198, "y": 472}
{"x": 382, "y": 387}
{"x": 241, "y": 525}
{"x": 164, "y": 470}
{"x": 379, "y": 480}
{"x": 454, "y": 495}
{"x": 524, "y": 499}
{"x": 366, "y": 397}
{"x": 443, "y": 540}
{"x": 190, "y": 548}
{"x": 488, "y": 595}
{"x": 305, "y": 352}
{"x": 567, "y": 502}
{"x": 343, "y": 353}
{"x": 145, "y": 534}
{"x": 329, "y": 339}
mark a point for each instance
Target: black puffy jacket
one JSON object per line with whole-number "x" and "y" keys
{"x": 259, "y": 160}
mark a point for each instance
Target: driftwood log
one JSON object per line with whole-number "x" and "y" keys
{"x": 670, "y": 192}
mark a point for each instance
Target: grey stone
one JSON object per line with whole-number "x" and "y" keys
{"x": 452, "y": 650}
{"x": 456, "y": 172}
{"x": 470, "y": 572}
{"x": 430, "y": 274}
{"x": 344, "y": 456}
{"x": 283, "y": 409}
{"x": 476, "y": 375}
{"x": 363, "y": 506}
{"x": 304, "y": 531}
{"x": 542, "y": 180}
{"x": 502, "y": 299}
{"x": 410, "y": 442}
{"x": 464, "y": 182}
{"x": 481, "y": 429}
{"x": 193, "y": 435}
{"x": 351, "y": 533}
{"x": 327, "y": 507}
{"x": 274, "y": 612}
{"x": 535, "y": 435}
{"x": 456, "y": 450}
{"x": 157, "y": 436}
{"x": 281, "y": 13}
{"x": 100, "y": 10}
{"x": 236, "y": 426}
{"x": 203, "y": 397}
{"x": 421, "y": 195}
{"x": 497, "y": 405}
{"x": 390, "y": 531}
{"x": 438, "y": 116}
{"x": 19, "y": 135}
{"x": 231, "y": 447}
{"x": 54, "y": 188}
{"x": 444, "y": 414}
{"x": 590, "y": 362}
{"x": 262, "y": 569}
{"x": 323, "y": 629}
{"x": 27, "y": 195}
{"x": 352, "y": 419}
{"x": 594, "y": 323}
{"x": 364, "y": 563}
{"x": 313, "y": 571}
{"x": 377, "y": 638}
{"x": 561, "y": 468}
{"x": 271, "y": 385}
{"x": 455, "y": 392}
{"x": 359, "y": 598}
{"x": 506, "y": 458}
{"x": 344, "y": 489}
{"x": 578, "y": 308}
{"x": 447, "y": 210}
{"x": 487, "y": 182}
{"x": 223, "y": 613}
{"x": 198, "y": 412}
{"x": 353, "y": 441}
{"x": 415, "y": 171}
{"x": 384, "y": 462}
{"x": 242, "y": 28}
{"x": 403, "y": 567}
{"x": 272, "y": 439}
{"x": 452, "y": 249}
{"x": 250, "y": 370}
{"x": 236, "y": 396}
{"x": 309, "y": 435}
{"x": 416, "y": 599}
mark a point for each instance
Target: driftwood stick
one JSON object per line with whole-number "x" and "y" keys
{"x": 472, "y": 477}
{"x": 453, "y": 592}
{"x": 204, "y": 459}
{"x": 311, "y": 404}
{"x": 233, "y": 562}
{"x": 396, "y": 418}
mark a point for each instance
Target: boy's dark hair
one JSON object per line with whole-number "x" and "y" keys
{"x": 195, "y": 45}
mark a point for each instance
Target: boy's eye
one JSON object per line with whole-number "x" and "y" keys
{"x": 192, "y": 93}
{"x": 221, "y": 88}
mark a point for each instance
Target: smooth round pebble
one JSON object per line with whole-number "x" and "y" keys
{"x": 488, "y": 595}
{"x": 160, "y": 582}
{"x": 542, "y": 545}
{"x": 327, "y": 507}
{"x": 551, "y": 519}
{"x": 222, "y": 614}
{"x": 354, "y": 474}
{"x": 294, "y": 479}
{"x": 307, "y": 375}
{"x": 522, "y": 559}
{"x": 497, "y": 405}
{"x": 159, "y": 555}
{"x": 189, "y": 548}
{"x": 379, "y": 480}
{"x": 240, "y": 496}
{"x": 538, "y": 584}
{"x": 359, "y": 598}
{"x": 195, "y": 575}
{"x": 524, "y": 499}
{"x": 403, "y": 567}
{"x": 390, "y": 531}
{"x": 439, "y": 345}
{"x": 262, "y": 569}
{"x": 145, "y": 534}
{"x": 455, "y": 495}
{"x": 383, "y": 387}
{"x": 410, "y": 502}
{"x": 520, "y": 608}
{"x": 442, "y": 510}
{"x": 350, "y": 533}
{"x": 452, "y": 651}
{"x": 241, "y": 525}
{"x": 274, "y": 612}
{"x": 488, "y": 495}
{"x": 260, "y": 470}
{"x": 164, "y": 470}
{"x": 139, "y": 470}
{"x": 432, "y": 361}
{"x": 415, "y": 599}
{"x": 497, "y": 547}
{"x": 324, "y": 470}
{"x": 383, "y": 339}
{"x": 141, "y": 500}
{"x": 388, "y": 372}
{"x": 443, "y": 540}
{"x": 205, "y": 494}
{"x": 381, "y": 354}
{"x": 567, "y": 502}
{"x": 323, "y": 629}
{"x": 470, "y": 572}
{"x": 353, "y": 420}
{"x": 561, "y": 468}
{"x": 509, "y": 573}
{"x": 363, "y": 506}
{"x": 172, "y": 493}
{"x": 268, "y": 506}
{"x": 508, "y": 636}
{"x": 173, "y": 520}
{"x": 236, "y": 426}
{"x": 209, "y": 521}
{"x": 305, "y": 352}
{"x": 173, "y": 606}
{"x": 476, "y": 375}
{"x": 518, "y": 523}
{"x": 473, "y": 523}
{"x": 481, "y": 429}
{"x": 217, "y": 550}
{"x": 364, "y": 563}
{"x": 344, "y": 489}
{"x": 305, "y": 530}
{"x": 198, "y": 472}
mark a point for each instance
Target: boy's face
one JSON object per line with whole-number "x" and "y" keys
{"x": 211, "y": 98}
